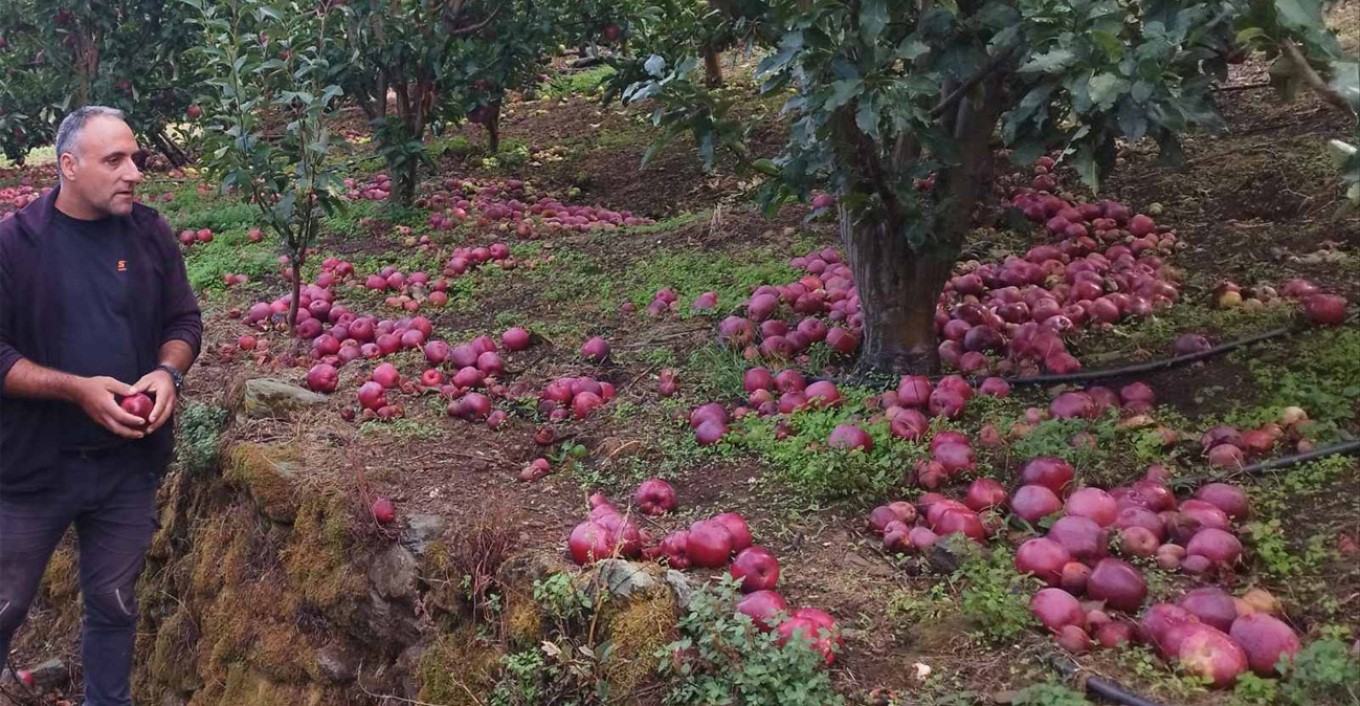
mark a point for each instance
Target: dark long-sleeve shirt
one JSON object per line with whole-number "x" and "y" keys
{"x": 35, "y": 268}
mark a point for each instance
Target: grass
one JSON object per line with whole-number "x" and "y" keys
{"x": 577, "y": 82}
{"x": 35, "y": 157}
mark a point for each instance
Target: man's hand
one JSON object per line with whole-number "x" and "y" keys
{"x": 95, "y": 396}
{"x": 161, "y": 387}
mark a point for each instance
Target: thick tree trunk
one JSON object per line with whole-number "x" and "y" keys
{"x": 713, "y": 76}
{"x": 898, "y": 290}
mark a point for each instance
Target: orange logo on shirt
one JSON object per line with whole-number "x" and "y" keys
{"x": 122, "y": 265}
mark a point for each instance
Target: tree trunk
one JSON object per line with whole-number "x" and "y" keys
{"x": 713, "y": 76}
{"x": 898, "y": 291}
{"x": 297, "y": 291}
{"x": 168, "y": 148}
{"x": 493, "y": 129}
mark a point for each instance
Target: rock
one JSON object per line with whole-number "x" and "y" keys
{"x": 390, "y": 623}
{"x": 407, "y": 669}
{"x": 421, "y": 530}
{"x": 950, "y": 552}
{"x": 681, "y": 587}
{"x": 338, "y": 662}
{"x": 51, "y": 674}
{"x": 393, "y": 573}
{"x": 267, "y": 398}
{"x": 623, "y": 578}
{"x": 272, "y": 473}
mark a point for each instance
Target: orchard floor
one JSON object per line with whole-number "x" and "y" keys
{"x": 1251, "y": 205}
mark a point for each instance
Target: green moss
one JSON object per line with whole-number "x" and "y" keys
{"x": 456, "y": 669}
{"x": 317, "y": 562}
{"x": 266, "y": 472}
{"x": 636, "y": 631}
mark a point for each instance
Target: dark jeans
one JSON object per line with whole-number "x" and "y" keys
{"x": 111, "y": 498}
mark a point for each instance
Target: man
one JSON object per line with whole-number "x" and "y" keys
{"x": 95, "y": 305}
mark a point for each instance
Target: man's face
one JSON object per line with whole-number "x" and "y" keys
{"x": 99, "y": 168}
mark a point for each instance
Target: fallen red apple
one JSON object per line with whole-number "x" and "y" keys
{"x": 1264, "y": 639}
{"x": 654, "y": 496}
{"x": 756, "y": 568}
{"x": 384, "y": 511}
{"x": 709, "y": 544}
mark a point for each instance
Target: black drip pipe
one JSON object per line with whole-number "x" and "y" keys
{"x": 1262, "y": 467}
{"x": 1098, "y": 688}
{"x": 1151, "y": 366}
{"x": 888, "y": 382}
{"x": 1106, "y": 690}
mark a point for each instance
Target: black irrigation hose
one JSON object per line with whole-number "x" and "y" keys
{"x": 1094, "y": 375}
{"x": 1152, "y": 366}
{"x": 1102, "y": 689}
{"x": 1106, "y": 690}
{"x": 1262, "y": 467}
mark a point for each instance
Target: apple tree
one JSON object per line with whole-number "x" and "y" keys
{"x": 442, "y": 62}
{"x": 58, "y": 56}
{"x": 269, "y": 89}
{"x": 896, "y": 107}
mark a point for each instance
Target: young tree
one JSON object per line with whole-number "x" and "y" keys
{"x": 129, "y": 54}
{"x": 270, "y": 86}
{"x": 896, "y": 107}
{"x": 444, "y": 61}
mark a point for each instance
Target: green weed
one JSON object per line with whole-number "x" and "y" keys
{"x": 722, "y": 659}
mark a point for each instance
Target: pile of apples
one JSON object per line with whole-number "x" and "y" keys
{"x": 993, "y": 318}
{"x": 510, "y": 204}
{"x": 722, "y": 541}
{"x": 13, "y": 198}
{"x": 1091, "y": 596}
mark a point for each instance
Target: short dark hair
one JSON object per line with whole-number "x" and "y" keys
{"x": 74, "y": 123}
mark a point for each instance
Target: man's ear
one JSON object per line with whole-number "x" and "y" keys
{"x": 67, "y": 164}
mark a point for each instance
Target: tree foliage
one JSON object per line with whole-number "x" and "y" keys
{"x": 894, "y": 105}
{"x": 58, "y": 56}
{"x": 444, "y": 62}
{"x": 269, "y": 85}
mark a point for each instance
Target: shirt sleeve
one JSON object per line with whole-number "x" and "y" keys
{"x": 9, "y": 355}
{"x": 182, "y": 320}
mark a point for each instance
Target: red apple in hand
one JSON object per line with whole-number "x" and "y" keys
{"x": 757, "y": 568}
{"x": 138, "y": 405}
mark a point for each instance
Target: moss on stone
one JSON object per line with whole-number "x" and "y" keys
{"x": 457, "y": 669}
{"x": 318, "y": 562}
{"x": 523, "y": 622}
{"x": 246, "y": 687}
{"x": 270, "y": 474}
{"x": 637, "y": 629}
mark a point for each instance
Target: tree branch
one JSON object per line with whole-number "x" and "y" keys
{"x": 463, "y": 31}
{"x": 1311, "y": 77}
{"x": 958, "y": 93}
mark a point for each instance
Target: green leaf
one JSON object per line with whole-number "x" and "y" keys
{"x": 1298, "y": 14}
{"x": 1248, "y": 34}
{"x": 1110, "y": 42}
{"x": 866, "y": 118}
{"x": 655, "y": 65}
{"x": 1105, "y": 89}
{"x": 911, "y": 49}
{"x": 1142, "y": 90}
{"x": 1051, "y": 61}
{"x": 1346, "y": 81}
{"x": 842, "y": 91}
{"x": 873, "y": 17}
